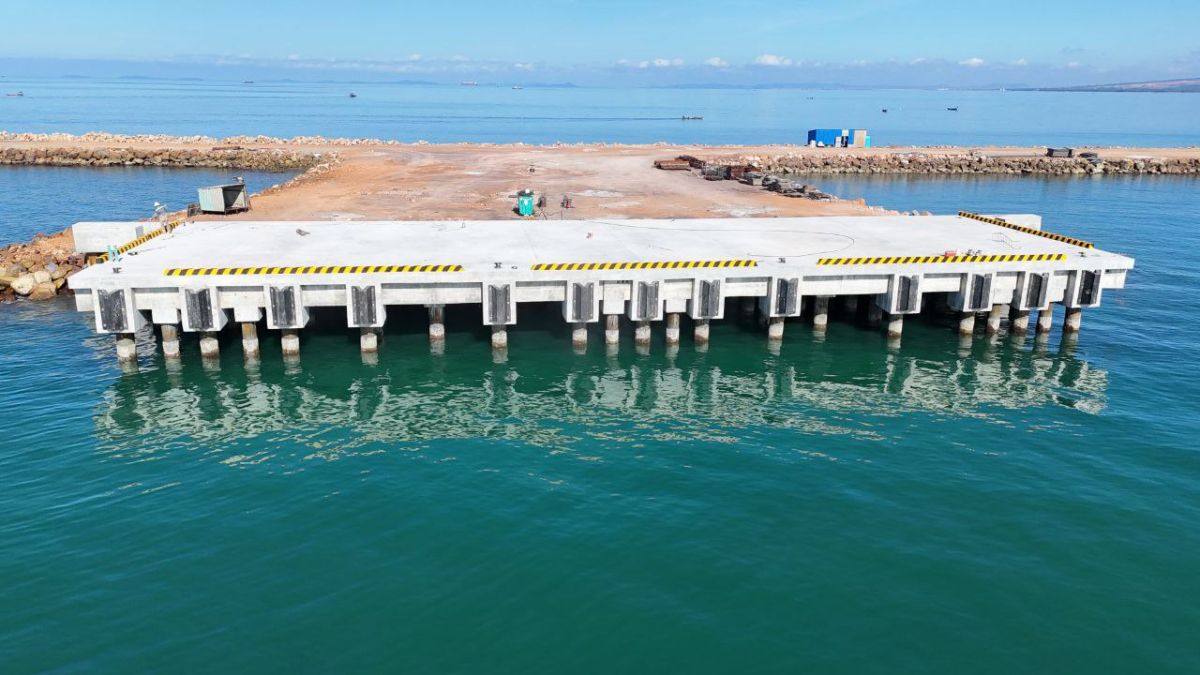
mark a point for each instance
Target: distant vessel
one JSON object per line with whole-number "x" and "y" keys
{"x": 954, "y": 109}
{"x": 885, "y": 110}
{"x": 517, "y": 86}
{"x": 353, "y": 95}
{"x": 688, "y": 118}
{"x": 247, "y": 81}
{"x": 16, "y": 93}
{"x": 469, "y": 83}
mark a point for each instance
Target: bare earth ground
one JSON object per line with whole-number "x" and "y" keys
{"x": 380, "y": 181}
{"x": 480, "y": 183}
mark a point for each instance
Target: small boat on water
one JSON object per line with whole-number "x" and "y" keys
{"x": 885, "y": 110}
{"x": 15, "y": 93}
{"x": 954, "y": 109}
{"x": 517, "y": 86}
{"x": 692, "y": 118}
{"x": 469, "y": 83}
{"x": 353, "y": 95}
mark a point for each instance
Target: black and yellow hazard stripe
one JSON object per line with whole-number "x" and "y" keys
{"x": 935, "y": 259}
{"x": 1027, "y": 230}
{"x": 134, "y": 243}
{"x": 309, "y": 269}
{"x": 642, "y": 265}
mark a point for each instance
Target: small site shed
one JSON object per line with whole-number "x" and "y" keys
{"x": 230, "y": 198}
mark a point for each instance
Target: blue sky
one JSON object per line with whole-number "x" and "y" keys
{"x": 852, "y": 42}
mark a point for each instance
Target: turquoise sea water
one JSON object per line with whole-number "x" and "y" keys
{"x": 47, "y": 199}
{"x": 838, "y": 506}
{"x": 630, "y": 115}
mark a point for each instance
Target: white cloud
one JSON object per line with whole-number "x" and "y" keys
{"x": 414, "y": 57}
{"x": 523, "y": 66}
{"x": 716, "y": 62}
{"x": 973, "y": 62}
{"x": 1074, "y": 64}
{"x": 1020, "y": 62}
{"x": 772, "y": 60}
{"x": 661, "y": 63}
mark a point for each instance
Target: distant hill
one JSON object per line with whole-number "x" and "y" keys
{"x": 1163, "y": 86}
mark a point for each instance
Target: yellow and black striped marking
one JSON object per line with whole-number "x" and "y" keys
{"x": 928, "y": 259}
{"x": 311, "y": 269}
{"x": 1027, "y": 230}
{"x": 643, "y": 265}
{"x": 134, "y": 243}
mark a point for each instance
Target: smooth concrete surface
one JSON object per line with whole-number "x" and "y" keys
{"x": 895, "y": 326}
{"x": 820, "y": 313}
{"x": 612, "y": 329}
{"x": 775, "y": 328}
{"x": 579, "y": 335}
{"x": 672, "y": 330}
{"x": 499, "y": 337}
{"x": 995, "y": 315}
{"x": 507, "y": 249}
{"x": 250, "y": 346}
{"x": 210, "y": 348}
{"x": 1018, "y": 321}
{"x": 641, "y": 334}
{"x": 966, "y": 323}
{"x": 1045, "y": 321}
{"x": 437, "y": 323}
{"x": 700, "y": 331}
{"x": 289, "y": 341}
{"x": 368, "y": 340}
{"x": 170, "y": 340}
{"x": 1073, "y": 320}
{"x": 126, "y": 348}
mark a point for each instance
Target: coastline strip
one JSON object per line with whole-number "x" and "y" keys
{"x": 643, "y": 265}
{"x": 309, "y": 269}
{"x": 1027, "y": 230}
{"x": 926, "y": 259}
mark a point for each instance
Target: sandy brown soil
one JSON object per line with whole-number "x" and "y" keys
{"x": 481, "y": 182}
{"x": 376, "y": 180}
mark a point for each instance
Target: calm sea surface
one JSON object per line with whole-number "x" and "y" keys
{"x": 451, "y": 113}
{"x": 1008, "y": 506}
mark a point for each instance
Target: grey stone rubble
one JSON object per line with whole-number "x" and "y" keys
{"x": 950, "y": 164}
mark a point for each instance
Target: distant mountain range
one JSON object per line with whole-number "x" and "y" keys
{"x": 1163, "y": 86}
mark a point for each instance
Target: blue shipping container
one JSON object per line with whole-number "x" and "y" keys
{"x": 826, "y": 136}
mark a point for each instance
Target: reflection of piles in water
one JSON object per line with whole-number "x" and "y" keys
{"x": 344, "y": 410}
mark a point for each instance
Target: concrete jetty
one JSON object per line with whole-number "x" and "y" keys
{"x": 199, "y": 276}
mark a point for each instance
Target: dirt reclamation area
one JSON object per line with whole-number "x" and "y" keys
{"x": 350, "y": 179}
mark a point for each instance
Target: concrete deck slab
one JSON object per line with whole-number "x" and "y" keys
{"x": 491, "y": 249}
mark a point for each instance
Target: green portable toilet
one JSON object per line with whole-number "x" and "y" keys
{"x": 525, "y": 203}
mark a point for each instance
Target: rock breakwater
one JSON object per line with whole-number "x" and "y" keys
{"x": 952, "y": 164}
{"x": 38, "y": 270}
{"x": 266, "y": 159}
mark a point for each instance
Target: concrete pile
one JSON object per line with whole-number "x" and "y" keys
{"x": 950, "y": 164}
{"x": 38, "y": 270}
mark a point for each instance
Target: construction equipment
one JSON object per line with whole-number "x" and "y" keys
{"x": 525, "y": 203}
